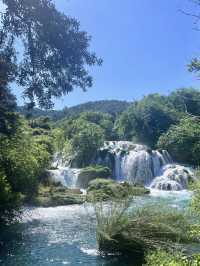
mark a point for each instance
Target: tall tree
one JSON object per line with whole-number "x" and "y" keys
{"x": 55, "y": 50}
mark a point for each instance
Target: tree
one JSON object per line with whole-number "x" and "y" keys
{"x": 146, "y": 120}
{"x": 183, "y": 141}
{"x": 86, "y": 142}
{"x": 105, "y": 121}
{"x": 55, "y": 50}
{"x": 186, "y": 100}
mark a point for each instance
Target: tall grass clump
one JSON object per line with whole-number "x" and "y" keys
{"x": 111, "y": 218}
{"x": 140, "y": 230}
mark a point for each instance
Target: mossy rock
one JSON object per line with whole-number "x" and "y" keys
{"x": 57, "y": 196}
{"x": 92, "y": 172}
{"x": 107, "y": 189}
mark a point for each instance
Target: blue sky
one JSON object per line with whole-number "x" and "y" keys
{"x": 145, "y": 44}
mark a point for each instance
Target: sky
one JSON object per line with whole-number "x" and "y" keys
{"x": 145, "y": 45}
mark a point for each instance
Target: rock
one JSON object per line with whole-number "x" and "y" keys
{"x": 90, "y": 173}
{"x": 108, "y": 189}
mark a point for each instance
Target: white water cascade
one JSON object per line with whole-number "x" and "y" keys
{"x": 137, "y": 164}
{"x": 63, "y": 173}
{"x": 134, "y": 163}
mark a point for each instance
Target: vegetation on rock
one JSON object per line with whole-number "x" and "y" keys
{"x": 92, "y": 172}
{"x": 108, "y": 189}
{"x": 51, "y": 196}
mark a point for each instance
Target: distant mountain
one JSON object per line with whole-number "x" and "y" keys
{"x": 113, "y": 107}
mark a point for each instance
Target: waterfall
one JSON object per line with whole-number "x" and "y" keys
{"x": 134, "y": 163}
{"x": 63, "y": 173}
{"x": 138, "y": 164}
{"x": 173, "y": 177}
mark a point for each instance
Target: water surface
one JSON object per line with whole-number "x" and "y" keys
{"x": 66, "y": 235}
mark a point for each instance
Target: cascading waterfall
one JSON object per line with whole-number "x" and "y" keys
{"x": 134, "y": 163}
{"x": 137, "y": 164}
{"x": 63, "y": 173}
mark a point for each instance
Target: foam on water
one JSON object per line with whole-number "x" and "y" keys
{"x": 136, "y": 163}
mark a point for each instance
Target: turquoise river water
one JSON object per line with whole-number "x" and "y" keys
{"x": 66, "y": 235}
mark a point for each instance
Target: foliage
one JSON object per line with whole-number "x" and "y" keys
{"x": 146, "y": 120}
{"x": 105, "y": 121}
{"x": 183, "y": 141}
{"x": 9, "y": 201}
{"x": 161, "y": 258}
{"x": 186, "y": 100}
{"x": 8, "y": 119}
{"x": 195, "y": 204}
{"x": 86, "y": 141}
{"x": 23, "y": 159}
{"x": 59, "y": 139}
{"x": 55, "y": 50}
{"x": 107, "y": 189}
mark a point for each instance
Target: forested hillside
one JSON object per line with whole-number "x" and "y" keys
{"x": 112, "y": 107}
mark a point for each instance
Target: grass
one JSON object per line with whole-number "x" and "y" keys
{"x": 147, "y": 228}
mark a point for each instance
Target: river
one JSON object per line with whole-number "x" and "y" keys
{"x": 66, "y": 235}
